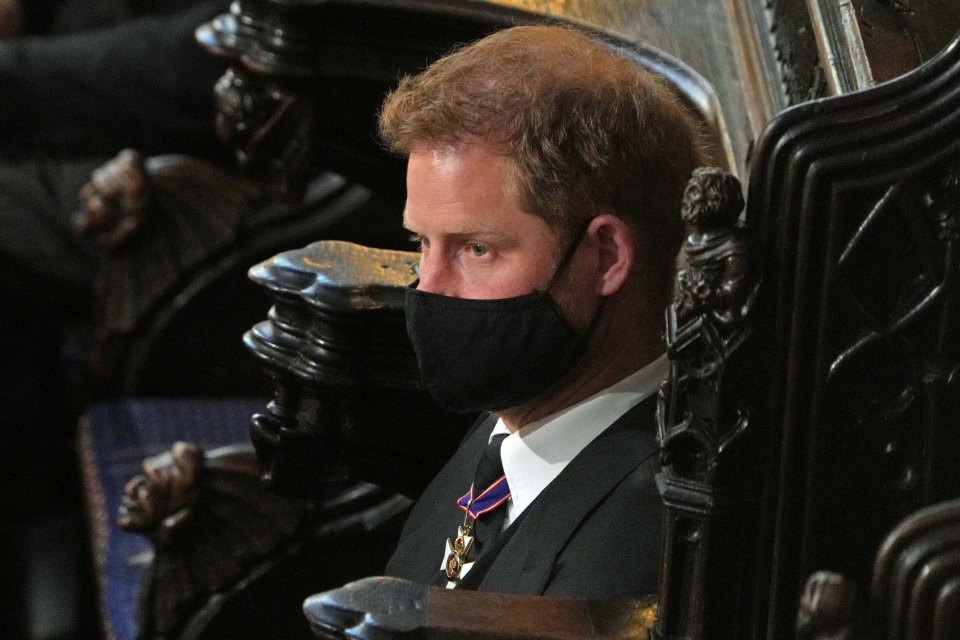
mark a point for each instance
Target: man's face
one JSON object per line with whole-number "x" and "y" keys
{"x": 475, "y": 241}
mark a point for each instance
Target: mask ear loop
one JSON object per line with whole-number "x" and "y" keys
{"x": 568, "y": 254}
{"x": 564, "y": 261}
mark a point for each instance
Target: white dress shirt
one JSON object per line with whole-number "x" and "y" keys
{"x": 535, "y": 454}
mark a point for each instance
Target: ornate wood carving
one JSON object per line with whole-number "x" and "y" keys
{"x": 721, "y": 278}
{"x": 175, "y": 286}
{"x": 113, "y": 203}
{"x": 164, "y": 218}
{"x": 341, "y": 56}
{"x": 211, "y": 521}
{"x": 336, "y": 345}
{"x": 706, "y": 414}
{"x": 855, "y": 198}
{"x": 830, "y": 608}
{"x": 270, "y": 127}
{"x": 796, "y": 49}
{"x": 144, "y": 199}
{"x": 221, "y": 536}
{"x": 914, "y": 593}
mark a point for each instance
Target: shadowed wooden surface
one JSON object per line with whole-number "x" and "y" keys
{"x": 385, "y": 607}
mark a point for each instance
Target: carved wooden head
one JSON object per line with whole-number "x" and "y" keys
{"x": 712, "y": 198}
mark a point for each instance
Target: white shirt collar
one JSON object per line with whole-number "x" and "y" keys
{"x": 536, "y": 453}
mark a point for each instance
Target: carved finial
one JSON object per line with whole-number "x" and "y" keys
{"x": 829, "y": 608}
{"x": 719, "y": 280}
{"x": 269, "y": 129}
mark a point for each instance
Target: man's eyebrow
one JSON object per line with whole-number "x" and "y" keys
{"x": 469, "y": 232}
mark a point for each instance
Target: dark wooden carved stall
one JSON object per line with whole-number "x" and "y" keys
{"x": 808, "y": 427}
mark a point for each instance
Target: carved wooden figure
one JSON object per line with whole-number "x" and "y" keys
{"x": 719, "y": 279}
{"x": 210, "y": 519}
{"x": 706, "y": 413}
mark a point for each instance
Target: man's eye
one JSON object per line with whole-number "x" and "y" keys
{"x": 478, "y": 249}
{"x": 419, "y": 240}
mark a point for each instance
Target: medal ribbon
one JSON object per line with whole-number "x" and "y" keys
{"x": 492, "y": 497}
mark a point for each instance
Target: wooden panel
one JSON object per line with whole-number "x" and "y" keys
{"x": 856, "y": 199}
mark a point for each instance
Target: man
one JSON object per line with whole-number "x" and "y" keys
{"x": 544, "y": 181}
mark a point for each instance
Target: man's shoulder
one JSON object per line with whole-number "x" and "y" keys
{"x": 594, "y": 531}
{"x": 639, "y": 423}
{"x": 614, "y": 550}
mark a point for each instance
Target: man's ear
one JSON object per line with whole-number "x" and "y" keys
{"x": 616, "y": 246}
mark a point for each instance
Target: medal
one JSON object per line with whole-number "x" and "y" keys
{"x": 475, "y": 506}
{"x": 457, "y": 551}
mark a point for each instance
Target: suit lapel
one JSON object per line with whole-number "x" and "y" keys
{"x": 526, "y": 562}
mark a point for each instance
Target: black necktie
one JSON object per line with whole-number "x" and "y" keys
{"x": 490, "y": 468}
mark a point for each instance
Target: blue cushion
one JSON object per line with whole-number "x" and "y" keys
{"x": 115, "y": 437}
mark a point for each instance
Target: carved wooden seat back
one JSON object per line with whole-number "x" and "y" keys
{"x": 848, "y": 422}
{"x": 859, "y": 199}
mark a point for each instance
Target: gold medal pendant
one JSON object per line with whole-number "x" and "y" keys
{"x": 457, "y": 551}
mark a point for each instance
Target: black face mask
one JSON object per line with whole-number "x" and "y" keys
{"x": 488, "y": 355}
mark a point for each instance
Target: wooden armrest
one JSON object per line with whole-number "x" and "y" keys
{"x": 384, "y": 608}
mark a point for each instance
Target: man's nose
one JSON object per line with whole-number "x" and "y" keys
{"x": 433, "y": 275}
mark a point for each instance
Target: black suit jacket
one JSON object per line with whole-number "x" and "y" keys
{"x": 593, "y": 532}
